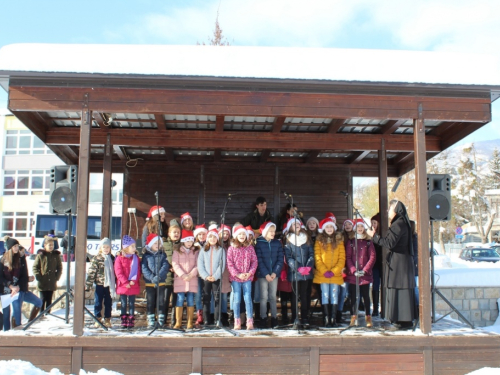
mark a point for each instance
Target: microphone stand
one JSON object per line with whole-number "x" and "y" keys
{"x": 218, "y": 324}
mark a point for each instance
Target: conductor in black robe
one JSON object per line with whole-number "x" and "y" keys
{"x": 399, "y": 271}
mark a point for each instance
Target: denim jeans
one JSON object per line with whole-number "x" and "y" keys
{"x": 188, "y": 296}
{"x": 198, "y": 298}
{"x": 223, "y": 307}
{"x": 341, "y": 296}
{"x": 102, "y": 294}
{"x": 124, "y": 299}
{"x": 267, "y": 293}
{"x": 246, "y": 289}
{"x": 329, "y": 294}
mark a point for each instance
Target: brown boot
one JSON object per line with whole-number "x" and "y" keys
{"x": 107, "y": 322}
{"x": 13, "y": 323}
{"x": 369, "y": 323}
{"x": 34, "y": 312}
{"x": 353, "y": 320}
{"x": 178, "y": 317}
{"x": 190, "y": 317}
{"x": 97, "y": 325}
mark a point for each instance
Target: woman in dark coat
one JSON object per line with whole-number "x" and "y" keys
{"x": 399, "y": 275}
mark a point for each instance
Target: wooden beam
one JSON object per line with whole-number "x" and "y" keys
{"x": 169, "y": 152}
{"x": 357, "y": 156}
{"x": 81, "y": 219}
{"x": 217, "y": 155}
{"x": 70, "y": 154}
{"x": 279, "y": 121}
{"x": 443, "y": 127}
{"x": 391, "y": 126}
{"x": 199, "y": 139}
{"x": 264, "y": 155}
{"x": 456, "y": 133}
{"x": 248, "y": 103}
{"x": 402, "y": 157}
{"x": 160, "y": 122}
{"x": 34, "y": 123}
{"x": 100, "y": 120}
{"x": 312, "y": 156}
{"x": 219, "y": 123}
{"x": 106, "y": 189}
{"x": 336, "y": 125}
{"x": 422, "y": 221}
{"x": 120, "y": 152}
{"x": 383, "y": 200}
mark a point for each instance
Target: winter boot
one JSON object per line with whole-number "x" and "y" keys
{"x": 34, "y": 312}
{"x": 151, "y": 320}
{"x": 172, "y": 317}
{"x": 131, "y": 321}
{"x": 13, "y": 323}
{"x": 333, "y": 315}
{"x": 97, "y": 325}
{"x": 200, "y": 318}
{"x": 353, "y": 320}
{"x": 339, "y": 318}
{"x": 206, "y": 314}
{"x": 375, "y": 295}
{"x": 256, "y": 308}
{"x": 107, "y": 322}
{"x": 369, "y": 323}
{"x": 224, "y": 319}
{"x": 249, "y": 324}
{"x": 190, "y": 317}
{"x": 237, "y": 324}
{"x": 284, "y": 313}
{"x": 124, "y": 318}
{"x": 178, "y": 317}
{"x": 274, "y": 322}
{"x": 326, "y": 321}
{"x": 161, "y": 320}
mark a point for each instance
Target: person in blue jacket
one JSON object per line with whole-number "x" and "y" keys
{"x": 270, "y": 258}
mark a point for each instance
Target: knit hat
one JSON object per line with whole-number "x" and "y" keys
{"x": 127, "y": 241}
{"x": 377, "y": 217}
{"x": 361, "y": 222}
{"x": 213, "y": 232}
{"x": 10, "y": 243}
{"x": 187, "y": 236}
{"x": 250, "y": 230}
{"x": 239, "y": 229}
{"x": 184, "y": 216}
{"x": 174, "y": 223}
{"x": 326, "y": 222}
{"x": 312, "y": 218}
{"x": 152, "y": 239}
{"x": 265, "y": 227}
{"x": 347, "y": 221}
{"x": 291, "y": 222}
{"x": 105, "y": 241}
{"x": 155, "y": 210}
{"x": 199, "y": 229}
{"x": 226, "y": 228}
{"x": 331, "y": 216}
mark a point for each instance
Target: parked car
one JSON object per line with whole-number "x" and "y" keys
{"x": 496, "y": 248}
{"x": 480, "y": 255}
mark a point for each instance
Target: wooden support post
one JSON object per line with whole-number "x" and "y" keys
{"x": 76, "y": 359}
{"x": 314, "y": 361}
{"x": 424, "y": 284}
{"x": 106, "y": 189}
{"x": 384, "y": 218}
{"x": 197, "y": 361}
{"x": 82, "y": 217}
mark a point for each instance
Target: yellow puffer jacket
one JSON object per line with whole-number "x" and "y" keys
{"x": 329, "y": 259}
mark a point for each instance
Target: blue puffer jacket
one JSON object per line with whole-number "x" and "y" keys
{"x": 270, "y": 257}
{"x": 148, "y": 266}
{"x": 299, "y": 256}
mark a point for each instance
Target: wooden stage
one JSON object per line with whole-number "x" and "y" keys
{"x": 452, "y": 352}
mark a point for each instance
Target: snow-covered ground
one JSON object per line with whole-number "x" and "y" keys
{"x": 453, "y": 271}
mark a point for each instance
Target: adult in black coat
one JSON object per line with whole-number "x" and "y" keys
{"x": 399, "y": 270}
{"x": 259, "y": 216}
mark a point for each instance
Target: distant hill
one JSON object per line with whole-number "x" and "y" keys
{"x": 484, "y": 152}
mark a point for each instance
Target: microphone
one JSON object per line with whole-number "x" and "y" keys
{"x": 344, "y": 193}
{"x": 231, "y": 195}
{"x": 286, "y": 195}
{"x": 156, "y": 194}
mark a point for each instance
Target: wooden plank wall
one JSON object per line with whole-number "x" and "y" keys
{"x": 460, "y": 361}
{"x": 203, "y": 191}
{"x": 373, "y": 364}
{"x": 45, "y": 358}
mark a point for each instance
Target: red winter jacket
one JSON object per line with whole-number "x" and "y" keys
{"x": 366, "y": 260}
{"x": 122, "y": 271}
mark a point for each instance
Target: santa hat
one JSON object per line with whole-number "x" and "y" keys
{"x": 184, "y": 216}
{"x": 187, "y": 236}
{"x": 265, "y": 227}
{"x": 152, "y": 239}
{"x": 312, "y": 218}
{"x": 213, "y": 232}
{"x": 291, "y": 222}
{"x": 347, "y": 221}
{"x": 155, "y": 210}
{"x": 250, "y": 230}
{"x": 212, "y": 227}
{"x": 325, "y": 222}
{"x": 361, "y": 222}
{"x": 331, "y": 216}
{"x": 239, "y": 229}
{"x": 199, "y": 229}
{"x": 225, "y": 228}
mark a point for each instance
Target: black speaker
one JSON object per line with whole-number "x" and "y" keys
{"x": 63, "y": 189}
{"x": 439, "y": 196}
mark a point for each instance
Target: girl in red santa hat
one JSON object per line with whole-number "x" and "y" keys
{"x": 187, "y": 221}
{"x": 156, "y": 217}
{"x": 200, "y": 237}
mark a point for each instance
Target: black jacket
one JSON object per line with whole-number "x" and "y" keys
{"x": 255, "y": 220}
{"x": 6, "y": 276}
{"x": 399, "y": 267}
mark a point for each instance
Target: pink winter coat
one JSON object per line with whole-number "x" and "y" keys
{"x": 366, "y": 261}
{"x": 241, "y": 260}
{"x": 122, "y": 272}
{"x": 185, "y": 263}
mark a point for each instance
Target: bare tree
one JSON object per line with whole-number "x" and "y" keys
{"x": 217, "y": 39}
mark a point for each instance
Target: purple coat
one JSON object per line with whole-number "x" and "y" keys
{"x": 366, "y": 261}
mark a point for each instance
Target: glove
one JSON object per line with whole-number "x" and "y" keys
{"x": 301, "y": 270}
{"x": 307, "y": 270}
{"x": 359, "y": 273}
{"x": 328, "y": 274}
{"x": 155, "y": 280}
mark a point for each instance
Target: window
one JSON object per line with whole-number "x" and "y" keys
{"x": 26, "y": 182}
{"x": 17, "y": 224}
{"x": 24, "y": 142}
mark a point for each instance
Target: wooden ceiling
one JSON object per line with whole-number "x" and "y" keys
{"x": 222, "y": 123}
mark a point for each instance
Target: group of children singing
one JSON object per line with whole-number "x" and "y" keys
{"x": 199, "y": 266}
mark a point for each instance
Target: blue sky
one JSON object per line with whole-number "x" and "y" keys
{"x": 431, "y": 25}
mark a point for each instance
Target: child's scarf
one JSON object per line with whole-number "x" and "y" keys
{"x": 109, "y": 275}
{"x": 133, "y": 267}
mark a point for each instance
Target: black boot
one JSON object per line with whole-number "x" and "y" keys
{"x": 333, "y": 315}
{"x": 339, "y": 318}
{"x": 326, "y": 321}
{"x": 256, "y": 309}
{"x": 284, "y": 313}
{"x": 224, "y": 319}
{"x": 375, "y": 299}
{"x": 206, "y": 314}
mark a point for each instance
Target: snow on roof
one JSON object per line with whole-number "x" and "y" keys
{"x": 352, "y": 65}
